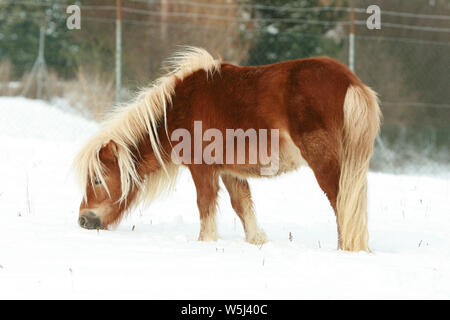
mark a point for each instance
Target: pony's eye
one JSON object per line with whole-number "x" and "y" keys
{"x": 97, "y": 182}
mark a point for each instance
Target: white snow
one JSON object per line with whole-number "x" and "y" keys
{"x": 44, "y": 254}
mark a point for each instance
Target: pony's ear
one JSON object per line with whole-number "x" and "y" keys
{"x": 109, "y": 151}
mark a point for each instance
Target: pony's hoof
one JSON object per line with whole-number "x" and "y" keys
{"x": 258, "y": 238}
{"x": 208, "y": 237}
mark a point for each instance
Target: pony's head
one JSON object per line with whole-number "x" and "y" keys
{"x": 117, "y": 174}
{"x": 110, "y": 182}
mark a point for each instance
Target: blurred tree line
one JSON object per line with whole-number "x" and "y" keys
{"x": 148, "y": 39}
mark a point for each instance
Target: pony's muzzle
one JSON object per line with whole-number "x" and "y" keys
{"x": 89, "y": 220}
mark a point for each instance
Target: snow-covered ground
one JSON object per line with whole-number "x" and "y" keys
{"x": 44, "y": 254}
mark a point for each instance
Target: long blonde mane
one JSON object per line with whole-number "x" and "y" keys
{"x": 140, "y": 120}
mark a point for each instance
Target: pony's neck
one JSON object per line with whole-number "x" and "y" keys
{"x": 147, "y": 161}
{"x": 160, "y": 108}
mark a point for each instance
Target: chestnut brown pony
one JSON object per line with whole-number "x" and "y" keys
{"x": 325, "y": 116}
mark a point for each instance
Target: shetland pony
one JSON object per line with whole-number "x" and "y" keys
{"x": 326, "y": 118}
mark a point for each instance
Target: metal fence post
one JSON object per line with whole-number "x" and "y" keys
{"x": 39, "y": 70}
{"x": 118, "y": 50}
{"x": 351, "y": 44}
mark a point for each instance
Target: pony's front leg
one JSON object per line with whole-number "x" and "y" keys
{"x": 241, "y": 201}
{"x": 206, "y": 182}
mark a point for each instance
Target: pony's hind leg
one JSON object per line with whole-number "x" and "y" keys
{"x": 207, "y": 184}
{"x": 321, "y": 151}
{"x": 242, "y": 203}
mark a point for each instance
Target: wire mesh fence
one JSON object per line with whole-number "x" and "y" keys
{"x": 406, "y": 62}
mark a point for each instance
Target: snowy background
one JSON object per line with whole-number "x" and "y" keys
{"x": 44, "y": 254}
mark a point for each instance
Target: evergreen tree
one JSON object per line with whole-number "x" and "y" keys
{"x": 20, "y": 24}
{"x": 286, "y": 33}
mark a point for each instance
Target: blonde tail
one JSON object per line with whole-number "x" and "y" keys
{"x": 361, "y": 125}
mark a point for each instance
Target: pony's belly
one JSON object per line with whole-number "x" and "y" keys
{"x": 290, "y": 155}
{"x": 289, "y": 159}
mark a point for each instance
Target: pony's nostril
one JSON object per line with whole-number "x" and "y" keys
{"x": 82, "y": 221}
